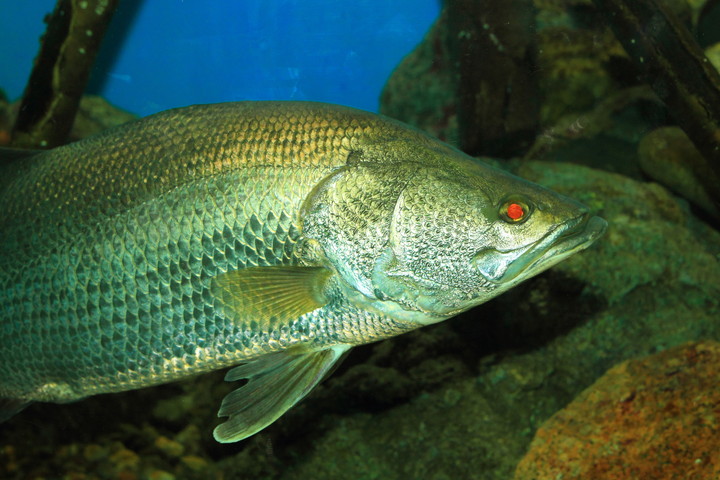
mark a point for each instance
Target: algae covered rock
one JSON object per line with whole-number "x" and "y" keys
{"x": 577, "y": 66}
{"x": 669, "y": 157}
{"x": 421, "y": 90}
{"x": 96, "y": 114}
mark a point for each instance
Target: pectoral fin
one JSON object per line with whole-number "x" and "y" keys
{"x": 270, "y": 295}
{"x": 276, "y": 382}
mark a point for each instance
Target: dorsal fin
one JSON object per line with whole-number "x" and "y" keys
{"x": 8, "y": 155}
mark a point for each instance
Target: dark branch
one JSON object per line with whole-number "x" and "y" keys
{"x": 57, "y": 82}
{"x": 674, "y": 65}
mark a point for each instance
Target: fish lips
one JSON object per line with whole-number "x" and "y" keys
{"x": 511, "y": 267}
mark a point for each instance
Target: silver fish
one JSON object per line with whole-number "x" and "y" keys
{"x": 270, "y": 235}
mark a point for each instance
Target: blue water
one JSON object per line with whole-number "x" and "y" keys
{"x": 164, "y": 54}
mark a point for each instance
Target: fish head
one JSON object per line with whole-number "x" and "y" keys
{"x": 462, "y": 234}
{"x": 423, "y": 241}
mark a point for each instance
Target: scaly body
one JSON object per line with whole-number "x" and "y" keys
{"x": 106, "y": 260}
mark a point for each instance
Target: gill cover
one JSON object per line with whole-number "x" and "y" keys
{"x": 439, "y": 223}
{"x": 348, "y": 216}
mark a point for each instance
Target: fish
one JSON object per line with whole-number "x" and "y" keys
{"x": 265, "y": 237}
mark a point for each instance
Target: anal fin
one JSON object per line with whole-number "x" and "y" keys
{"x": 276, "y": 382}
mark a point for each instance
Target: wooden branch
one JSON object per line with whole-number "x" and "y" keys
{"x": 675, "y": 66}
{"x": 492, "y": 45}
{"x": 57, "y": 82}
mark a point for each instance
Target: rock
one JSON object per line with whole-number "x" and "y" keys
{"x": 421, "y": 90}
{"x": 669, "y": 157}
{"x": 654, "y": 417}
{"x": 8, "y": 461}
{"x": 94, "y": 452}
{"x": 713, "y": 54}
{"x": 573, "y": 69}
{"x": 452, "y": 433}
{"x": 96, "y": 114}
{"x": 160, "y": 475}
{"x": 194, "y": 463}
{"x": 169, "y": 447}
{"x": 574, "y": 58}
{"x": 6, "y": 117}
{"x": 189, "y": 438}
{"x": 124, "y": 459}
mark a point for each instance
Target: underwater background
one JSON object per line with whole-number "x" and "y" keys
{"x": 161, "y": 55}
{"x": 604, "y": 367}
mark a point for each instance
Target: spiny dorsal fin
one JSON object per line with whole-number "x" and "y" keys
{"x": 270, "y": 295}
{"x": 13, "y": 162}
{"x": 277, "y": 381}
{"x": 12, "y": 154}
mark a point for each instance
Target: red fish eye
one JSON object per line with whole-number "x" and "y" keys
{"x": 515, "y": 211}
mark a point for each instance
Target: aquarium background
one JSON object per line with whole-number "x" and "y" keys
{"x": 603, "y": 365}
{"x": 163, "y": 54}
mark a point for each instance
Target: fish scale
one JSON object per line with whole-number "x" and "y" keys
{"x": 130, "y": 296}
{"x": 126, "y": 266}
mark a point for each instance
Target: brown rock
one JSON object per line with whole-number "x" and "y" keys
{"x": 655, "y": 417}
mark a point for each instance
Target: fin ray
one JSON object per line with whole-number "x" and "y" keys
{"x": 276, "y": 382}
{"x": 270, "y": 295}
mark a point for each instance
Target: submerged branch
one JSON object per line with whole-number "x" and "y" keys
{"x": 674, "y": 65}
{"x": 492, "y": 47}
{"x": 62, "y": 67}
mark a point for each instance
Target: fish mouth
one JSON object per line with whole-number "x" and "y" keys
{"x": 563, "y": 241}
{"x": 577, "y": 235}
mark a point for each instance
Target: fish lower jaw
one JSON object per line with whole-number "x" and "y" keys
{"x": 568, "y": 245}
{"x": 575, "y": 236}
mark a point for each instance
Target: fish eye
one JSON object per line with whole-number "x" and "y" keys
{"x": 514, "y": 210}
